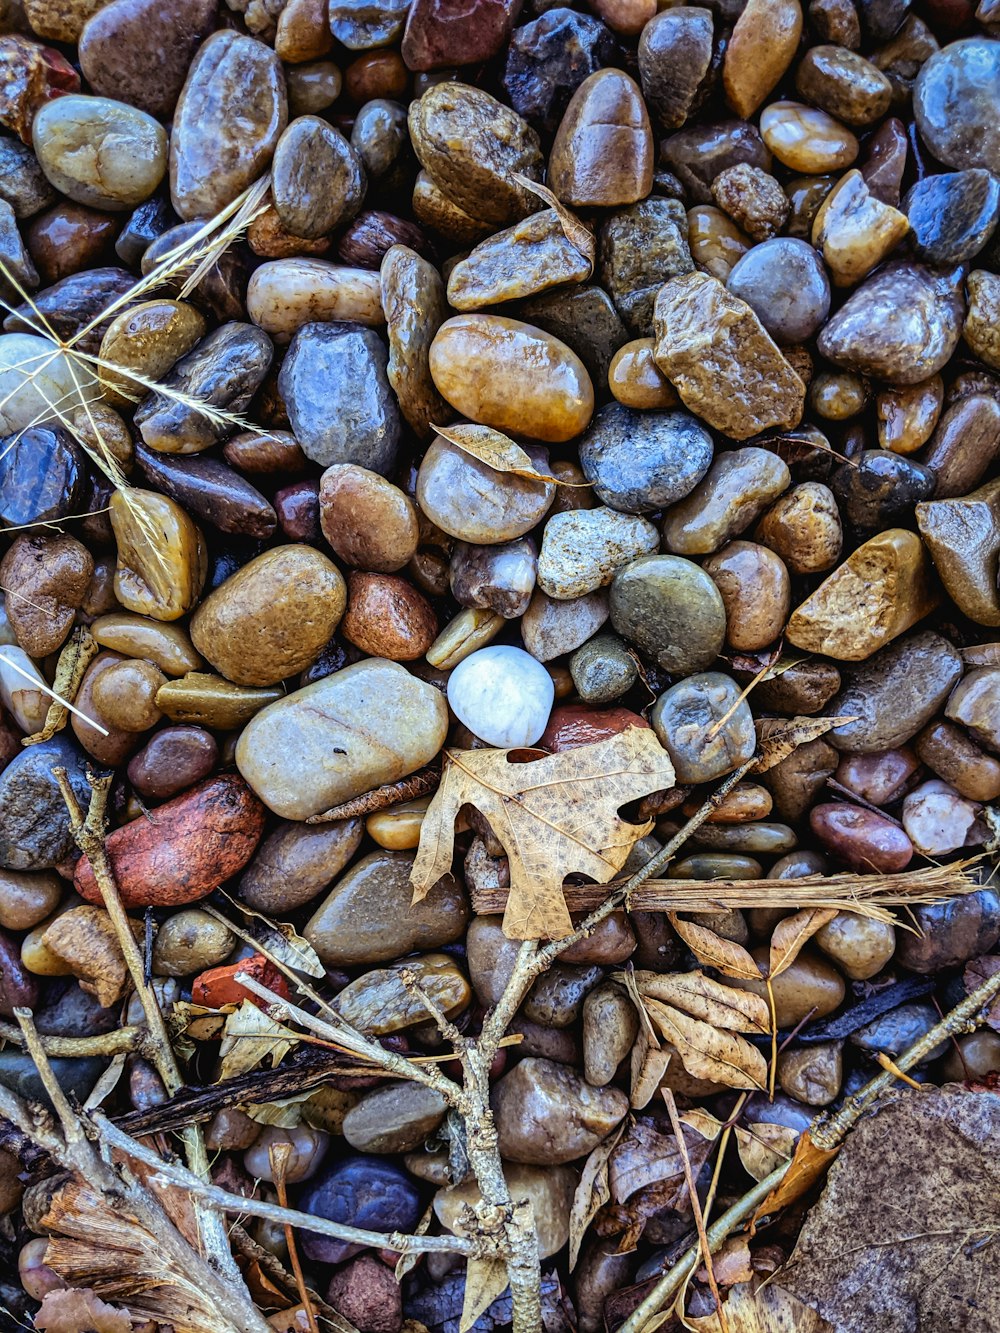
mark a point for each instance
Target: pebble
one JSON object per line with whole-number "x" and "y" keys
{"x": 546, "y": 1114}
{"x": 583, "y": 549}
{"x": 552, "y": 627}
{"x": 885, "y": 161}
{"x": 199, "y": 840}
{"x": 805, "y": 139}
{"x": 950, "y": 933}
{"x": 367, "y": 521}
{"x": 172, "y": 760}
{"x": 213, "y": 155}
{"x": 895, "y": 1032}
{"x": 124, "y": 696}
{"x": 854, "y": 231}
{"x": 503, "y": 695}
{"x": 843, "y": 84}
{"x": 784, "y": 283}
{"x": 937, "y": 819}
{"x": 760, "y": 50}
{"x": 603, "y": 669}
{"x": 549, "y": 1189}
{"x": 602, "y": 154}
{"x": 442, "y": 33}
{"x": 17, "y": 985}
{"x": 164, "y": 583}
{"x": 287, "y": 294}
{"x": 549, "y": 58}
{"x": 738, "y": 487}
{"x": 35, "y": 833}
{"x": 756, "y": 591}
{"x": 523, "y": 260}
{"x": 879, "y": 490}
{"x": 949, "y": 753}
{"x": 859, "y": 946}
{"x": 26, "y": 704}
{"x": 800, "y": 778}
{"x": 341, "y": 408}
{"x": 640, "y": 249}
{"x": 895, "y": 693}
{"x": 556, "y": 998}
{"x": 379, "y": 1002}
{"x": 497, "y": 578}
{"x": 636, "y": 381}
{"x": 864, "y": 840}
{"x": 317, "y": 178}
{"x": 512, "y": 376}
{"x": 100, "y": 152}
{"x": 805, "y": 688}
{"x": 45, "y": 579}
{"x": 572, "y": 725}
{"x": 733, "y": 375}
{"x": 190, "y": 941}
{"x": 972, "y": 1056}
{"x": 881, "y": 590}
{"x": 413, "y": 300}
{"x": 671, "y": 610}
{"x": 42, "y": 476}
{"x": 975, "y": 703}
{"x": 27, "y": 898}
{"x": 167, "y": 646}
{"x": 397, "y": 1117}
{"x": 22, "y": 182}
{"x": 810, "y": 987}
{"x": 206, "y": 700}
{"x": 901, "y": 325}
{"x": 980, "y": 325}
{"x": 698, "y": 153}
{"x": 210, "y": 491}
{"x": 272, "y": 618}
{"x": 640, "y": 462}
{"x": 964, "y": 444}
{"x": 803, "y": 527}
{"x": 387, "y": 617}
{"x": 295, "y": 862}
{"x": 675, "y": 56}
{"x": 359, "y": 1191}
{"x": 312, "y": 87}
{"x": 954, "y": 98}
{"x": 952, "y": 216}
{"x": 476, "y": 503}
{"x": 962, "y": 536}
{"x": 717, "y": 244}
{"x": 705, "y": 727}
{"x": 308, "y": 1148}
{"x": 812, "y": 1074}
{"x": 610, "y": 1025}
{"x": 301, "y": 756}
{"x": 134, "y": 51}
{"x": 27, "y": 395}
{"x": 436, "y": 212}
{"x": 149, "y": 338}
{"x": 753, "y": 199}
{"x": 879, "y": 778}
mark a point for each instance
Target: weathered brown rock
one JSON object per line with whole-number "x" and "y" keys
{"x": 45, "y": 579}
{"x": 546, "y": 1114}
{"x": 963, "y": 538}
{"x": 761, "y": 48}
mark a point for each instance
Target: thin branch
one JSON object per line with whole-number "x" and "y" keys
{"x": 72, "y": 1132}
{"x": 121, "y": 1040}
{"x": 692, "y": 1187}
{"x": 278, "y": 1155}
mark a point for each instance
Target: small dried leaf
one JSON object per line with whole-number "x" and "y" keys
{"x": 703, "y": 1122}
{"x": 645, "y": 1157}
{"x": 808, "y": 1164}
{"x": 712, "y": 950}
{"x": 493, "y": 448}
{"x": 286, "y": 1114}
{"x": 80, "y": 1310}
{"x": 705, "y": 1052}
{"x": 407, "y": 1262}
{"x": 485, "y": 1280}
{"x": 280, "y": 942}
{"x": 107, "y": 1083}
{"x": 779, "y": 738}
{"x": 648, "y": 1065}
{"x": 770, "y": 1310}
{"x": 711, "y": 1001}
{"x": 730, "y": 1264}
{"x": 981, "y": 655}
{"x": 762, "y": 1147}
{"x": 250, "y": 1036}
{"x": 791, "y": 933}
{"x": 592, "y": 1193}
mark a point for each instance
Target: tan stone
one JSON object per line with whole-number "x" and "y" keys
{"x": 807, "y": 140}
{"x": 602, "y": 155}
{"x": 148, "y": 338}
{"x": 550, "y": 1189}
{"x": 907, "y": 416}
{"x": 854, "y": 231}
{"x": 760, "y": 49}
{"x": 162, "y": 559}
{"x": 963, "y": 538}
{"x": 636, "y": 380}
{"x": 982, "y": 324}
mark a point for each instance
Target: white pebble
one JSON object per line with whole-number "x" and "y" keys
{"x": 502, "y": 695}
{"x": 37, "y": 385}
{"x": 937, "y": 819}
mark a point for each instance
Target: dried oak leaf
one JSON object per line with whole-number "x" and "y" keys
{"x": 553, "y": 816}
{"x": 778, "y": 737}
{"x": 904, "y": 1236}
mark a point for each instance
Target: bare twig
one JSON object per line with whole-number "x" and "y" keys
{"x": 381, "y": 798}
{"x": 126, "y": 1039}
{"x": 72, "y": 1132}
{"x": 278, "y": 1154}
{"x": 692, "y": 1186}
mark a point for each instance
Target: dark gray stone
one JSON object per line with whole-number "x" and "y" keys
{"x": 549, "y": 58}
{"x": 643, "y": 461}
{"x": 34, "y": 825}
{"x": 953, "y": 215}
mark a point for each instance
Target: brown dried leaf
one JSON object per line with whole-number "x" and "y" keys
{"x": 778, "y": 738}
{"x": 791, "y": 933}
{"x": 808, "y": 1164}
{"x": 493, "y": 448}
{"x": 86, "y": 940}
{"x": 553, "y": 816}
{"x": 648, "y": 1065}
{"x": 485, "y": 1280}
{"x": 711, "y": 1001}
{"x": 592, "y": 1193}
{"x": 250, "y": 1036}
{"x": 80, "y": 1310}
{"x": 278, "y": 940}
{"x": 576, "y": 232}
{"x": 726, "y": 956}
{"x": 981, "y": 655}
{"x": 763, "y": 1147}
{"x": 705, "y": 1052}
{"x": 730, "y": 1263}
{"x": 770, "y": 1310}
{"x": 645, "y": 1156}
{"x": 703, "y": 1122}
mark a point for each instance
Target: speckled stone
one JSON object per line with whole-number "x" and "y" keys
{"x": 686, "y": 719}
{"x": 954, "y": 101}
{"x": 952, "y": 216}
{"x": 583, "y": 549}
{"x": 671, "y": 610}
{"x": 643, "y": 461}
{"x": 546, "y": 1114}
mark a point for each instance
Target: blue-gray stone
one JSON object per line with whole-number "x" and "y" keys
{"x": 34, "y": 824}
{"x": 643, "y": 461}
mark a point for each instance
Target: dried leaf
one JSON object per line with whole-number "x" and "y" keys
{"x": 80, "y": 1310}
{"x": 778, "y": 738}
{"x": 730, "y": 1264}
{"x": 981, "y": 655}
{"x": 705, "y": 1052}
{"x": 763, "y": 1147}
{"x": 86, "y": 940}
{"x": 791, "y": 933}
{"x": 703, "y": 1122}
{"x": 286, "y": 1114}
{"x": 407, "y": 1262}
{"x": 725, "y": 956}
{"x": 576, "y": 232}
{"x": 553, "y": 816}
{"x": 493, "y": 448}
{"x": 280, "y": 942}
{"x": 249, "y": 1037}
{"x": 485, "y": 1280}
{"x": 107, "y": 1083}
{"x": 648, "y": 1065}
{"x": 808, "y": 1164}
{"x": 592, "y": 1193}
{"x": 645, "y": 1156}
{"x": 769, "y": 1310}
{"x": 976, "y": 972}
{"x": 711, "y": 1001}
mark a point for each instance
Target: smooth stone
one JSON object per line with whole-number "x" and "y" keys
{"x": 164, "y": 582}
{"x": 172, "y": 760}
{"x": 812, "y": 1074}
{"x": 206, "y": 700}
{"x": 503, "y": 695}
{"x": 717, "y": 244}
{"x": 308, "y": 1148}
{"x": 189, "y": 942}
{"x": 35, "y": 832}
{"x": 288, "y": 294}
{"x": 42, "y": 476}
{"x": 739, "y": 486}
{"x": 380, "y": 136}
{"x": 640, "y": 249}
{"x": 548, "y": 1188}
{"x": 803, "y": 526}
{"x": 367, "y": 521}
{"x": 671, "y": 610}
{"x": 895, "y": 693}
{"x": 475, "y": 503}
{"x": 387, "y": 617}
{"x": 551, "y": 628}
{"x": 312, "y": 86}
{"x": 948, "y": 752}
{"x": 523, "y": 260}
{"x": 443, "y": 33}
{"x": 24, "y": 700}
{"x": 583, "y": 549}
{"x": 809, "y": 988}
{"x": 368, "y": 917}
{"x": 45, "y": 579}
{"x": 379, "y": 1001}
{"x": 224, "y": 370}
{"x": 964, "y": 444}
{"x": 76, "y": 1077}
{"x": 937, "y": 819}
{"x": 973, "y": 1056}
{"x": 783, "y": 281}
{"x": 166, "y": 646}
{"x": 27, "y": 898}
{"x": 963, "y": 538}
{"x": 881, "y": 590}
{"x": 603, "y": 669}
{"x": 885, "y": 161}
{"x": 100, "y": 152}
{"x": 556, "y": 998}
{"x": 879, "y": 490}
{"x": 756, "y": 590}
{"x": 843, "y": 84}
{"x": 124, "y": 696}
{"x": 368, "y": 724}
{"x": 804, "y": 688}
{"x": 214, "y": 155}
{"x": 149, "y": 338}
{"x": 805, "y": 139}
{"x": 753, "y": 199}
{"x": 854, "y": 231}
{"x": 950, "y": 932}
{"x": 800, "y": 778}
{"x": 144, "y": 226}
{"x": 472, "y": 145}
{"x": 716, "y": 353}
{"x": 210, "y": 491}
{"x": 794, "y": 866}
{"x": 134, "y": 51}
{"x": 436, "y": 212}
{"x": 415, "y": 306}
{"x": 341, "y": 408}
{"x": 901, "y": 325}
{"x": 859, "y": 946}
{"x": 761, "y": 48}
{"x": 491, "y": 957}
{"x": 705, "y": 727}
{"x": 272, "y": 618}
{"x": 15, "y": 256}
{"x": 512, "y": 376}
{"x": 895, "y": 1032}
{"x": 975, "y": 703}
{"x": 572, "y": 725}
{"x": 366, "y": 1192}
{"x": 295, "y": 862}
{"x": 980, "y": 326}
{"x": 497, "y": 578}
{"x": 952, "y": 216}
{"x": 549, "y": 58}
{"x": 546, "y": 1115}
{"x": 317, "y": 178}
{"x": 602, "y": 154}
{"x": 397, "y": 1117}
{"x": 74, "y": 308}
{"x": 675, "y": 57}
{"x": 636, "y": 381}
{"x": 861, "y": 838}
{"x": 640, "y": 462}
{"x": 953, "y": 101}
{"x": 585, "y": 319}
{"x": 33, "y": 377}
{"x": 699, "y": 153}
{"x": 610, "y": 1025}
{"x": 879, "y": 778}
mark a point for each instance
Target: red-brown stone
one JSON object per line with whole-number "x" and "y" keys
{"x": 575, "y": 724}
{"x": 454, "y": 32}
{"x": 863, "y": 839}
{"x": 218, "y": 986}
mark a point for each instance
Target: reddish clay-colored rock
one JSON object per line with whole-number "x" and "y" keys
{"x": 865, "y": 840}
{"x": 187, "y": 848}
{"x": 576, "y": 724}
{"x": 453, "y": 32}
{"x": 218, "y": 986}
{"x": 366, "y": 1292}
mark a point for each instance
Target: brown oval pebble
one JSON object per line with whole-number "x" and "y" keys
{"x": 173, "y": 759}
{"x": 45, "y": 579}
{"x": 761, "y": 48}
{"x": 907, "y": 417}
{"x": 367, "y": 520}
{"x": 803, "y": 527}
{"x": 879, "y": 778}
{"x": 150, "y": 339}
{"x": 28, "y": 897}
{"x": 115, "y": 745}
{"x": 805, "y": 139}
{"x": 866, "y": 841}
{"x": 167, "y": 646}
{"x": 949, "y": 753}
{"x": 164, "y": 581}
{"x": 68, "y": 238}
{"x": 387, "y": 617}
{"x": 636, "y": 380}
{"x": 756, "y": 591}
{"x": 602, "y": 155}
{"x": 197, "y": 842}
{"x": 811, "y": 987}
{"x": 844, "y": 84}
{"x": 717, "y": 244}
{"x": 125, "y": 695}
